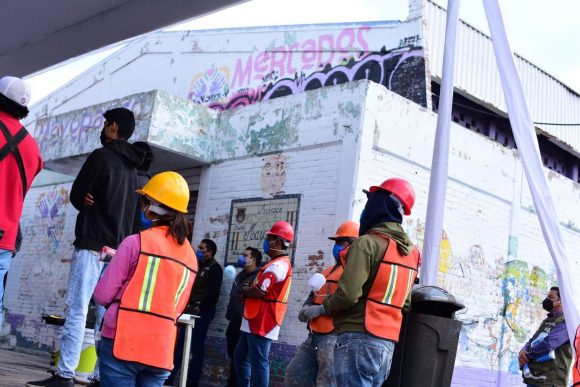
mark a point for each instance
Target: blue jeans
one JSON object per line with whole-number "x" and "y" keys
{"x": 84, "y": 274}
{"x": 5, "y": 257}
{"x": 198, "y": 335}
{"x": 313, "y": 362}
{"x": 251, "y": 359}
{"x": 117, "y": 373}
{"x": 362, "y": 360}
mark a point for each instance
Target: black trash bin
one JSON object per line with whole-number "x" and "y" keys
{"x": 425, "y": 354}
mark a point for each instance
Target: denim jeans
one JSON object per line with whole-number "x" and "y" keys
{"x": 117, "y": 373}
{"x": 251, "y": 358}
{"x": 198, "y": 335}
{"x": 362, "y": 360}
{"x": 5, "y": 257}
{"x": 84, "y": 274}
{"x": 313, "y": 362}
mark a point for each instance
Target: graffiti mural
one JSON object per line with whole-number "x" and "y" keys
{"x": 50, "y": 206}
{"x": 402, "y": 73}
{"x": 504, "y": 314}
{"x": 301, "y": 62}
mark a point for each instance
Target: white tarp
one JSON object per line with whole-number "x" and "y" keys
{"x": 527, "y": 144}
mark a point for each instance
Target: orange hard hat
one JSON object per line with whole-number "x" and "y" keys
{"x": 283, "y": 230}
{"x": 348, "y": 229}
{"x": 401, "y": 189}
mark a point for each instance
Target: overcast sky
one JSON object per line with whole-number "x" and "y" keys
{"x": 547, "y": 33}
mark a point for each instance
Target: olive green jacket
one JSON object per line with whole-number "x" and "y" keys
{"x": 347, "y": 304}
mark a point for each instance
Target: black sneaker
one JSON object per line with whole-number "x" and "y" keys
{"x": 94, "y": 383}
{"x": 53, "y": 381}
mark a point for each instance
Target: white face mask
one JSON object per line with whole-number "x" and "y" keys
{"x": 249, "y": 261}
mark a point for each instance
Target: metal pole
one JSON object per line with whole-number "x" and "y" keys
{"x": 439, "y": 164}
{"x": 189, "y": 322}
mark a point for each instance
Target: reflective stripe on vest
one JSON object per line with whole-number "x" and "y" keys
{"x": 576, "y": 364}
{"x": 323, "y": 324}
{"x": 257, "y": 308}
{"x": 146, "y": 323}
{"x": 390, "y": 288}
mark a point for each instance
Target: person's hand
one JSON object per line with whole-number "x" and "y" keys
{"x": 522, "y": 358}
{"x": 310, "y": 312}
{"x": 89, "y": 200}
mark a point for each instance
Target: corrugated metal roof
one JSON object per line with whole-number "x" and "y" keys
{"x": 549, "y": 100}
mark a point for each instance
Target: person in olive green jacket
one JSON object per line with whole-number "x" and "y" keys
{"x": 545, "y": 359}
{"x": 366, "y": 306}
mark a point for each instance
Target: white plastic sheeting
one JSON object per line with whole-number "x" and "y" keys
{"x": 527, "y": 144}
{"x": 440, "y": 163}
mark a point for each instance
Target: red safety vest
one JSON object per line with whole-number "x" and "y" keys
{"x": 263, "y": 314}
{"x": 576, "y": 366}
{"x": 323, "y": 324}
{"x": 146, "y": 323}
{"x": 389, "y": 290}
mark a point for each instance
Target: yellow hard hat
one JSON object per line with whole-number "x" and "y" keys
{"x": 169, "y": 189}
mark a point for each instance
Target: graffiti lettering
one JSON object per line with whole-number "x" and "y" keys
{"x": 392, "y": 69}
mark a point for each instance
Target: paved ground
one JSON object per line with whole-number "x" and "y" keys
{"x": 17, "y": 368}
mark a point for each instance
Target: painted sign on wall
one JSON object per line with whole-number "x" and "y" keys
{"x": 251, "y": 218}
{"x": 305, "y": 59}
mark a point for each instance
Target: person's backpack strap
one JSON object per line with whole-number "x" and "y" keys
{"x": 12, "y": 147}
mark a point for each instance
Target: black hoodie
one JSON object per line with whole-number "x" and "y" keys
{"x": 110, "y": 175}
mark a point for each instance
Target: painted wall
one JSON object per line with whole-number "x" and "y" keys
{"x": 502, "y": 291}
{"x": 37, "y": 280}
{"x": 236, "y": 67}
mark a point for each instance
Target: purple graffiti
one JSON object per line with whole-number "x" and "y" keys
{"x": 401, "y": 72}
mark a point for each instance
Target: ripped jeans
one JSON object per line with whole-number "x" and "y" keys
{"x": 313, "y": 362}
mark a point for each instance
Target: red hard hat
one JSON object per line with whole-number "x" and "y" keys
{"x": 401, "y": 188}
{"x": 283, "y": 230}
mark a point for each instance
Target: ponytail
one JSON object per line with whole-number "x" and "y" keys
{"x": 180, "y": 228}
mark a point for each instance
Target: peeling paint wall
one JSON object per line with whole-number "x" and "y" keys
{"x": 502, "y": 292}
{"x": 37, "y": 280}
{"x": 229, "y": 68}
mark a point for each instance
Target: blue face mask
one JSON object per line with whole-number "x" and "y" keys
{"x": 336, "y": 251}
{"x": 199, "y": 255}
{"x": 241, "y": 261}
{"x": 146, "y": 223}
{"x": 266, "y": 246}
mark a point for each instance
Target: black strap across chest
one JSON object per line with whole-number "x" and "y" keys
{"x": 12, "y": 147}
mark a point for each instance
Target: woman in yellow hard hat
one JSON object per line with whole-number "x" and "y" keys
{"x": 146, "y": 288}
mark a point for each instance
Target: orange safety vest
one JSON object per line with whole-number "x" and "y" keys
{"x": 148, "y": 312}
{"x": 576, "y": 366}
{"x": 389, "y": 290}
{"x": 323, "y": 323}
{"x": 263, "y": 314}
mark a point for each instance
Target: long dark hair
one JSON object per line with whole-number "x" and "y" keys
{"x": 180, "y": 228}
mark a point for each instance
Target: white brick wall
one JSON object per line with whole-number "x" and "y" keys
{"x": 38, "y": 275}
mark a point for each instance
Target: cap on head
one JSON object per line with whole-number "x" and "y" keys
{"x": 348, "y": 229}
{"x": 401, "y": 189}
{"x": 169, "y": 189}
{"x": 282, "y": 230}
{"x": 124, "y": 118}
{"x": 15, "y": 89}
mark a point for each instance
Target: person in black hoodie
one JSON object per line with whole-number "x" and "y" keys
{"x": 104, "y": 194}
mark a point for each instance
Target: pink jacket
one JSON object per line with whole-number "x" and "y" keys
{"x": 114, "y": 281}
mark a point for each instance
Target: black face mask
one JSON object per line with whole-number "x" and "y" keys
{"x": 103, "y": 138}
{"x": 548, "y": 305}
